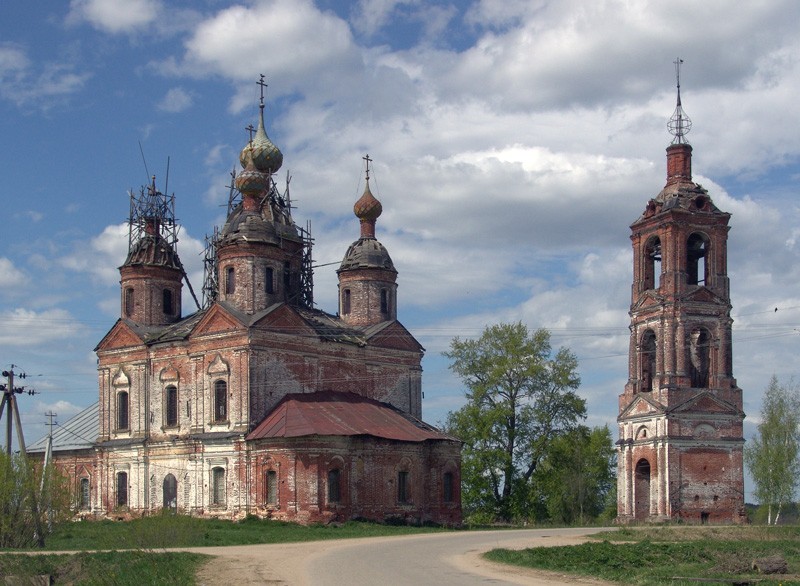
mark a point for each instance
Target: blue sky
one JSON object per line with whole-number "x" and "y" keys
{"x": 513, "y": 142}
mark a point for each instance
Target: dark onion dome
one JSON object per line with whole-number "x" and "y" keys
{"x": 153, "y": 250}
{"x": 367, "y": 208}
{"x": 267, "y": 158}
{"x": 367, "y": 253}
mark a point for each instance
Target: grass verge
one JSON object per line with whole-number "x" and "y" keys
{"x": 663, "y": 555}
{"x": 117, "y": 568}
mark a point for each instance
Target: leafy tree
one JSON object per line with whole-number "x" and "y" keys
{"x": 31, "y": 500}
{"x": 773, "y": 455}
{"x": 519, "y": 399}
{"x": 578, "y": 475}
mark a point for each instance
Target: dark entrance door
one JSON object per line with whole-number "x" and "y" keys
{"x": 641, "y": 489}
{"x": 170, "y": 492}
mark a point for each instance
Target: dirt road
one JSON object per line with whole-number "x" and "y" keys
{"x": 447, "y": 559}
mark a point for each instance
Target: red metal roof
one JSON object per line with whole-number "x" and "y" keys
{"x": 332, "y": 413}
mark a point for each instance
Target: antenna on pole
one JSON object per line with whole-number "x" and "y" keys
{"x": 679, "y": 124}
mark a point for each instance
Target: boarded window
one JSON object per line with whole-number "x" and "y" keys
{"x": 122, "y": 489}
{"x": 271, "y": 489}
{"x": 172, "y": 405}
{"x": 122, "y": 411}
{"x": 128, "y": 302}
{"x": 334, "y": 486}
{"x": 220, "y": 400}
{"x": 218, "y": 486}
{"x": 402, "y": 487}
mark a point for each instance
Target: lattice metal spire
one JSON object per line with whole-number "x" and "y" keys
{"x": 679, "y": 124}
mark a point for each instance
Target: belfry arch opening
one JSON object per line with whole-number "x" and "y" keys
{"x": 696, "y": 255}
{"x": 652, "y": 264}
{"x": 699, "y": 357}
{"x": 647, "y": 361}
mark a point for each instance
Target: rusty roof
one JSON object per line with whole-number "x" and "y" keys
{"x": 328, "y": 413}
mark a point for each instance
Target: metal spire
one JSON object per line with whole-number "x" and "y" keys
{"x": 679, "y": 124}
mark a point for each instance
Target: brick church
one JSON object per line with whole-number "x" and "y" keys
{"x": 259, "y": 403}
{"x": 680, "y": 415}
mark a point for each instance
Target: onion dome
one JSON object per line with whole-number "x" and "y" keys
{"x": 251, "y": 182}
{"x": 367, "y": 208}
{"x": 267, "y": 157}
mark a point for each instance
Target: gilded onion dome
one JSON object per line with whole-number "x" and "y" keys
{"x": 267, "y": 157}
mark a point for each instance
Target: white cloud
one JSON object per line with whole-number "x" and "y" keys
{"x": 176, "y": 100}
{"x": 10, "y": 276}
{"x": 116, "y": 16}
{"x": 25, "y": 327}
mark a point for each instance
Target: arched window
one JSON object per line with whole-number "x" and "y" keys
{"x": 334, "y": 485}
{"x": 220, "y": 400}
{"x": 384, "y": 301}
{"x": 696, "y": 265}
{"x": 269, "y": 281}
{"x": 345, "y": 301}
{"x": 699, "y": 357}
{"x": 642, "y": 489}
{"x": 123, "y": 421}
{"x": 218, "y": 486}
{"x": 128, "y": 301}
{"x": 271, "y": 488}
{"x": 122, "y": 489}
{"x": 170, "y": 492}
{"x": 447, "y": 487}
{"x": 166, "y": 305}
{"x": 403, "y": 487}
{"x": 171, "y": 407}
{"x": 652, "y": 264}
{"x": 84, "y": 495}
{"x": 230, "y": 281}
{"x": 647, "y": 360}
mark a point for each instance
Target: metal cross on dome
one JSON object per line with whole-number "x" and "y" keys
{"x": 679, "y": 124}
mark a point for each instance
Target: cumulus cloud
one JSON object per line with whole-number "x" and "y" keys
{"x": 116, "y": 16}
{"x": 25, "y": 327}
{"x": 10, "y": 276}
{"x": 176, "y": 100}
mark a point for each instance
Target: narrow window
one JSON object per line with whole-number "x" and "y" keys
{"x": 699, "y": 354}
{"x": 384, "y": 301}
{"x": 696, "y": 260}
{"x": 647, "y": 360}
{"x": 172, "y": 405}
{"x": 122, "y": 489}
{"x": 129, "y": 302}
{"x": 170, "y": 492}
{"x": 334, "y": 488}
{"x": 271, "y": 490}
{"x": 167, "y": 302}
{"x": 230, "y": 281}
{"x": 218, "y": 486}
{"x": 122, "y": 410}
{"x": 447, "y": 487}
{"x": 84, "y": 494}
{"x": 345, "y": 301}
{"x": 402, "y": 486}
{"x": 269, "y": 281}
{"x": 220, "y": 400}
{"x": 287, "y": 279}
{"x": 652, "y": 264}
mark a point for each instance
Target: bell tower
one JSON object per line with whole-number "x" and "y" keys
{"x": 680, "y": 415}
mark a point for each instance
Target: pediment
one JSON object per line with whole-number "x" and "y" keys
{"x": 701, "y": 295}
{"x": 217, "y": 320}
{"x": 120, "y": 379}
{"x": 394, "y": 335}
{"x": 119, "y": 336}
{"x": 169, "y": 374}
{"x": 646, "y": 300}
{"x": 283, "y": 318}
{"x": 642, "y": 406}
{"x": 218, "y": 366}
{"x": 705, "y": 403}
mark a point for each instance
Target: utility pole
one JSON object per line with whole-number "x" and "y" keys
{"x": 10, "y": 401}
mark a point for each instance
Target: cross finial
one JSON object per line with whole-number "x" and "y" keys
{"x": 679, "y": 124}
{"x": 263, "y": 85}
{"x": 368, "y": 161}
{"x": 250, "y": 130}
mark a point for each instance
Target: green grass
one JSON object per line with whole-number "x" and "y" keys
{"x": 106, "y": 568}
{"x": 162, "y": 531}
{"x": 654, "y": 556}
